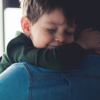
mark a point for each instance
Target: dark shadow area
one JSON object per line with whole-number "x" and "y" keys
{"x": 11, "y": 3}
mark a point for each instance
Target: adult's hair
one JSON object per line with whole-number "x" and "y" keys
{"x": 34, "y": 9}
{"x": 90, "y": 17}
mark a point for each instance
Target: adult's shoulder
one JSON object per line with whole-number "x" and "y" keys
{"x": 16, "y": 69}
{"x": 91, "y": 63}
{"x": 14, "y": 82}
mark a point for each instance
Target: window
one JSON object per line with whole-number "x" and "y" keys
{"x": 12, "y": 18}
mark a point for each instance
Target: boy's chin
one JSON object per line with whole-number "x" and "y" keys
{"x": 51, "y": 47}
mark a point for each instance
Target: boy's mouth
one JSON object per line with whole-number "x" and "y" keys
{"x": 53, "y": 46}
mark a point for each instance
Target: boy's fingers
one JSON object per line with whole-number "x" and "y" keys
{"x": 97, "y": 33}
{"x": 86, "y": 30}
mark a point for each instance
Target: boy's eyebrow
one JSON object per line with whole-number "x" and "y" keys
{"x": 54, "y": 23}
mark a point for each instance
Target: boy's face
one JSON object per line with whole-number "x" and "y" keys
{"x": 51, "y": 31}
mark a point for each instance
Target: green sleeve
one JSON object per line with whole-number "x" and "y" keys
{"x": 4, "y": 62}
{"x": 60, "y": 59}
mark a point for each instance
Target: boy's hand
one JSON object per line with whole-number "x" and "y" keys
{"x": 89, "y": 39}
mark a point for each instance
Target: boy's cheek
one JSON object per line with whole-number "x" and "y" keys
{"x": 69, "y": 40}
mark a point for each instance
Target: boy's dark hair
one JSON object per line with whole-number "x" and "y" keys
{"x": 33, "y": 9}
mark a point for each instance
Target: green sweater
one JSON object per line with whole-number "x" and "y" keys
{"x": 62, "y": 58}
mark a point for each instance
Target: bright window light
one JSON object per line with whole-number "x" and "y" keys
{"x": 12, "y": 17}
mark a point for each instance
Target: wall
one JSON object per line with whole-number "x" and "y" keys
{"x": 1, "y": 29}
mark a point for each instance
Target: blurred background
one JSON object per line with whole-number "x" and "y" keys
{"x": 10, "y": 15}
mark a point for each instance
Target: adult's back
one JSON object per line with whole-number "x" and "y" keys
{"x": 23, "y": 81}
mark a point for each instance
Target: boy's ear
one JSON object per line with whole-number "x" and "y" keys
{"x": 25, "y": 24}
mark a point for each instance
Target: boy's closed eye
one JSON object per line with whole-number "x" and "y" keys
{"x": 54, "y": 30}
{"x": 51, "y": 30}
{"x": 68, "y": 33}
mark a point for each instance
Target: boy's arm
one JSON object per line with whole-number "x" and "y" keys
{"x": 62, "y": 58}
{"x": 4, "y": 62}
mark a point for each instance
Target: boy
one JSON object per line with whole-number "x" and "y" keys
{"x": 48, "y": 42}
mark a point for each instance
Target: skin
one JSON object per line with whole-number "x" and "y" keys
{"x": 49, "y": 31}
{"x": 88, "y": 39}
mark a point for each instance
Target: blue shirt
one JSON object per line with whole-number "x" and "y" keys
{"x": 23, "y": 81}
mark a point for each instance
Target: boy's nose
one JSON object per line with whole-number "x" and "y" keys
{"x": 60, "y": 38}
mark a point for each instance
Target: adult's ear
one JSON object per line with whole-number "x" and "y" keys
{"x": 25, "y": 25}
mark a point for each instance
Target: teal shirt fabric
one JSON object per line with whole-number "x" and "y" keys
{"x": 62, "y": 58}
